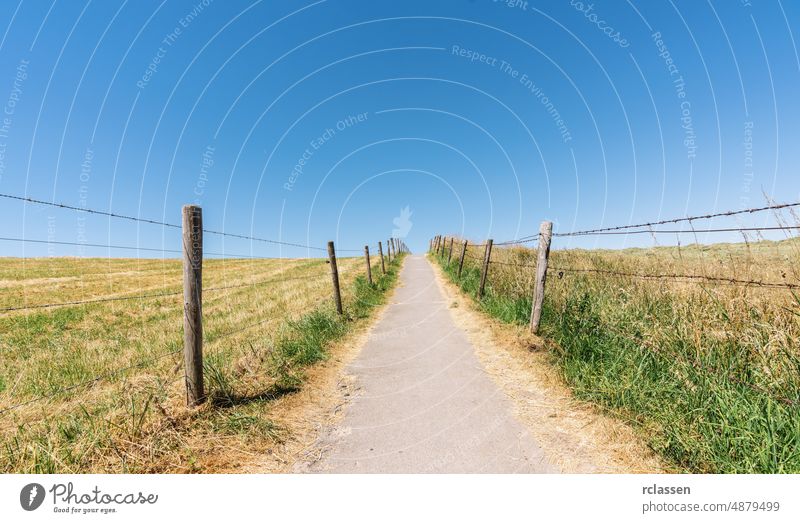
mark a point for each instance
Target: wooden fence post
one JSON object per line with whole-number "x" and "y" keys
{"x": 380, "y": 251}
{"x": 487, "y": 255}
{"x": 441, "y": 246}
{"x": 192, "y": 225}
{"x": 337, "y": 296}
{"x": 369, "y": 267}
{"x": 450, "y": 253}
{"x": 463, "y": 254}
{"x": 545, "y": 234}
{"x": 389, "y": 250}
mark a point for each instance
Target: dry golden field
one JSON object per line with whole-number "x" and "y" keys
{"x": 98, "y": 387}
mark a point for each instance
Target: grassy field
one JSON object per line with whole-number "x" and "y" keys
{"x": 708, "y": 371}
{"x": 264, "y": 322}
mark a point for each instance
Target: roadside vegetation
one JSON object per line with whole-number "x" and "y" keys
{"x": 98, "y": 387}
{"x": 708, "y": 371}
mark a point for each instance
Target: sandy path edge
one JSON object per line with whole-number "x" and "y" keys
{"x": 576, "y": 435}
{"x": 319, "y": 405}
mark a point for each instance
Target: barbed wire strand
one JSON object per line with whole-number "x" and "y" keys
{"x": 164, "y": 224}
{"x": 143, "y": 296}
{"x": 132, "y": 248}
{"x": 685, "y": 219}
{"x": 719, "y": 279}
{"x": 678, "y": 231}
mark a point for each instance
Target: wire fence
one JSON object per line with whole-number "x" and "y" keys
{"x": 162, "y": 224}
{"x": 771, "y": 207}
{"x": 192, "y": 261}
{"x": 509, "y": 256}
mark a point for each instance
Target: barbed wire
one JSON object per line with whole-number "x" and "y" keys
{"x": 520, "y": 241}
{"x": 133, "y": 248}
{"x": 90, "y": 301}
{"x": 664, "y": 276}
{"x": 511, "y": 264}
{"x": 89, "y": 211}
{"x": 143, "y": 296}
{"x": 680, "y": 231}
{"x": 165, "y": 224}
{"x": 685, "y": 219}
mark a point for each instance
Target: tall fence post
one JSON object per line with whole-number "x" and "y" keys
{"x": 337, "y": 296}
{"x": 389, "y": 250}
{"x": 450, "y": 253}
{"x": 461, "y": 262}
{"x": 380, "y": 251}
{"x": 192, "y": 225}
{"x": 441, "y": 246}
{"x": 487, "y": 255}
{"x": 545, "y": 234}
{"x": 369, "y": 267}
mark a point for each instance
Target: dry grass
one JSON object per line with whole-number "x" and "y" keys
{"x": 134, "y": 419}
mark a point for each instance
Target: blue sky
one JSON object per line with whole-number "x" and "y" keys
{"x": 308, "y": 121}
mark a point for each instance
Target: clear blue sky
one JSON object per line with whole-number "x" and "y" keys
{"x": 482, "y": 117}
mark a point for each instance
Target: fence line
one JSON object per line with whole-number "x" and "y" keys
{"x": 144, "y": 296}
{"x": 719, "y": 279}
{"x": 545, "y": 233}
{"x": 129, "y": 248}
{"x": 193, "y": 256}
{"x": 162, "y": 223}
{"x": 685, "y": 219}
{"x": 688, "y": 231}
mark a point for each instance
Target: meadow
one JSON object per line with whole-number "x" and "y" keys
{"x": 695, "y": 346}
{"x": 98, "y": 386}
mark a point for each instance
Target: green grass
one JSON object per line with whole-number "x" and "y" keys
{"x": 710, "y": 376}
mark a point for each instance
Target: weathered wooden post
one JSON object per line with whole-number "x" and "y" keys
{"x": 545, "y": 234}
{"x": 369, "y": 267}
{"x": 487, "y": 255}
{"x": 337, "y": 296}
{"x": 192, "y": 224}
{"x": 461, "y": 262}
{"x": 380, "y": 251}
{"x": 450, "y": 253}
{"x": 389, "y": 250}
{"x": 441, "y": 246}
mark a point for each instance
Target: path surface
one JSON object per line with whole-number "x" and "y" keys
{"x": 424, "y": 403}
